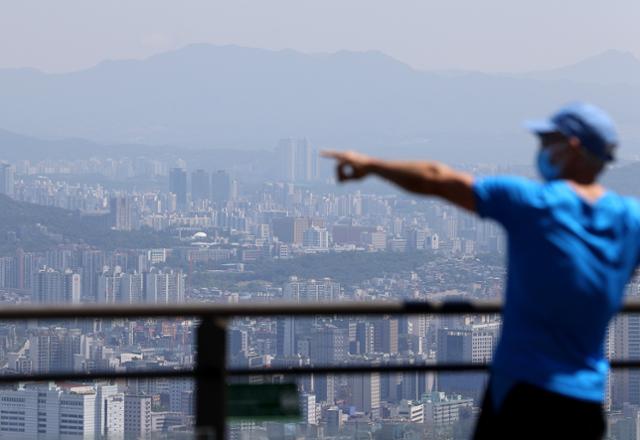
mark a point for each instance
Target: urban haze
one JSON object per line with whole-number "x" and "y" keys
{"x": 159, "y": 153}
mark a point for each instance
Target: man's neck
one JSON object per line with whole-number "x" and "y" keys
{"x": 590, "y": 191}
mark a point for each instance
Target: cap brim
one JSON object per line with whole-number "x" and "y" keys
{"x": 541, "y": 126}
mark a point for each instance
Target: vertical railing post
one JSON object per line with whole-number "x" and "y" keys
{"x": 211, "y": 384}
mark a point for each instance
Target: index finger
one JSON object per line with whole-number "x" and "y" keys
{"x": 333, "y": 154}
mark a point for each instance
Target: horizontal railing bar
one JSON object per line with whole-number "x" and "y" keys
{"x": 357, "y": 369}
{"x": 244, "y": 372}
{"x": 106, "y": 375}
{"x": 409, "y": 368}
{"x": 41, "y": 311}
{"x": 57, "y": 311}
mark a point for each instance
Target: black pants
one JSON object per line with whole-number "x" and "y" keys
{"x": 530, "y": 412}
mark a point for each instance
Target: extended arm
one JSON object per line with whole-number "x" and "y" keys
{"x": 429, "y": 178}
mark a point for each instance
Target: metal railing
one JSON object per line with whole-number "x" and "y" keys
{"x": 211, "y": 372}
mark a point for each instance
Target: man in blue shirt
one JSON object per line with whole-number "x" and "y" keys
{"x": 572, "y": 247}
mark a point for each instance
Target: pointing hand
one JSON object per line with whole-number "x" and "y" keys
{"x": 351, "y": 165}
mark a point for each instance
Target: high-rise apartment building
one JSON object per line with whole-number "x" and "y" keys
{"x": 39, "y": 411}
{"x": 329, "y": 345}
{"x": 484, "y": 339}
{"x": 311, "y": 290}
{"x": 55, "y": 287}
{"x": 456, "y": 346}
{"x": 48, "y": 411}
{"x": 164, "y": 287}
{"x": 298, "y": 160}
{"x": 72, "y": 286}
{"x": 200, "y": 185}
{"x": 25, "y": 269}
{"x": 222, "y": 187}
{"x": 121, "y": 213}
{"x": 137, "y": 416}
{"x": 108, "y": 290}
{"x": 441, "y": 410}
{"x": 624, "y": 343}
{"x": 178, "y": 186}
{"x": 414, "y": 385}
{"x": 315, "y": 237}
{"x": 290, "y": 229}
{"x": 324, "y": 387}
{"x": 386, "y": 335}
{"x": 7, "y": 179}
{"x": 365, "y": 337}
{"x": 308, "y": 408}
{"x": 117, "y": 287}
{"x": 238, "y": 342}
{"x": 411, "y": 411}
{"x": 286, "y": 152}
{"x": 285, "y": 337}
{"x": 131, "y": 288}
{"x": 114, "y": 416}
{"x": 304, "y": 161}
{"x": 92, "y": 263}
{"x": 105, "y": 410}
{"x": 365, "y": 393}
{"x": 333, "y": 418}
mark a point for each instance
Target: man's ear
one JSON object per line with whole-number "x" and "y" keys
{"x": 575, "y": 146}
{"x": 574, "y": 142}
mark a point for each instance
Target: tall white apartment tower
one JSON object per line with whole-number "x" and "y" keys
{"x": 7, "y": 179}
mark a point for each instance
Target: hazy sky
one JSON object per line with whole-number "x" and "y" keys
{"x": 487, "y": 35}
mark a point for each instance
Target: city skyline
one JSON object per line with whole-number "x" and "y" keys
{"x": 156, "y": 154}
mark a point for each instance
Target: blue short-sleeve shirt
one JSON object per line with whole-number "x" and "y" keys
{"x": 568, "y": 263}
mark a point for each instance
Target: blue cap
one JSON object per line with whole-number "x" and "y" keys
{"x": 590, "y": 124}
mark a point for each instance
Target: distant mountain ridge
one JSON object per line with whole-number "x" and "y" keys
{"x": 207, "y": 96}
{"x": 609, "y": 67}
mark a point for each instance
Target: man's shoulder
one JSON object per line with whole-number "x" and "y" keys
{"x": 509, "y": 183}
{"x": 508, "y": 180}
{"x": 500, "y": 197}
{"x": 629, "y": 204}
